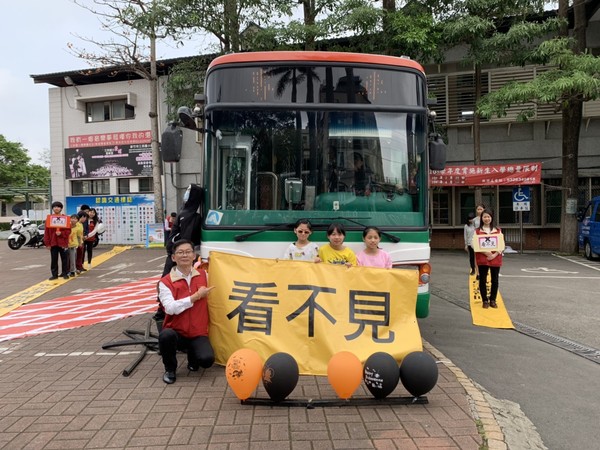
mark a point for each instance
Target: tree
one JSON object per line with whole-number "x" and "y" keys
{"x": 138, "y": 24}
{"x": 573, "y": 79}
{"x": 17, "y": 171}
{"x": 498, "y": 32}
{"x": 225, "y": 20}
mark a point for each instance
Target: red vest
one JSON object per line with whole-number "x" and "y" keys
{"x": 51, "y": 239}
{"x": 192, "y": 322}
{"x": 480, "y": 257}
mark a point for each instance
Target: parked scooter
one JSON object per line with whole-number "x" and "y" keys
{"x": 24, "y": 232}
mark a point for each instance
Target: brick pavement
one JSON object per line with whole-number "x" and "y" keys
{"x": 62, "y": 391}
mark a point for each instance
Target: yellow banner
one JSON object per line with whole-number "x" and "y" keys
{"x": 310, "y": 311}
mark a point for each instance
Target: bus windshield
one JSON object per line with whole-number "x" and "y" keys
{"x": 275, "y": 155}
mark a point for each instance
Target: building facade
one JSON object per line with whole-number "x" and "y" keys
{"x": 100, "y": 145}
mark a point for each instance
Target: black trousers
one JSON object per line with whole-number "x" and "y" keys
{"x": 471, "y": 258}
{"x": 57, "y": 252}
{"x": 199, "y": 351}
{"x": 88, "y": 250}
{"x": 494, "y": 272}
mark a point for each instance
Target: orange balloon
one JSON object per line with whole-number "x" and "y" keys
{"x": 345, "y": 373}
{"x": 244, "y": 371}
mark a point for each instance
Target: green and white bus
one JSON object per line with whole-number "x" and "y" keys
{"x": 323, "y": 136}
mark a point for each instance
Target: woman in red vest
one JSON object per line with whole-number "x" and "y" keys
{"x": 488, "y": 261}
{"x": 183, "y": 294}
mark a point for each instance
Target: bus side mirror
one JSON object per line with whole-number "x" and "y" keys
{"x": 171, "y": 143}
{"x": 437, "y": 154}
{"x": 580, "y": 214}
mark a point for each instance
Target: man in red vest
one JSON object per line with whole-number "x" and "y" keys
{"x": 183, "y": 294}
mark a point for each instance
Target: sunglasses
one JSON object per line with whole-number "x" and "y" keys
{"x": 302, "y": 232}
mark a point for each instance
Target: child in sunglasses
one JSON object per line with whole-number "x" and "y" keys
{"x": 302, "y": 249}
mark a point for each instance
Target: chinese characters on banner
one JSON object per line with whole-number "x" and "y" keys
{"x": 109, "y": 155}
{"x": 310, "y": 311}
{"x": 110, "y": 139}
{"x": 487, "y": 175}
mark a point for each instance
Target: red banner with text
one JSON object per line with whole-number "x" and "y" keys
{"x": 488, "y": 175}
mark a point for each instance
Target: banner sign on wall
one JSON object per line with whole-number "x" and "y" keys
{"x": 110, "y": 161}
{"x": 124, "y": 216}
{"x": 310, "y": 311}
{"x": 110, "y": 139}
{"x": 487, "y": 175}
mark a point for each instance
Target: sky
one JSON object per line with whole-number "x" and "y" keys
{"x": 33, "y": 41}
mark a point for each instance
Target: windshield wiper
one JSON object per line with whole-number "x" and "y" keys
{"x": 390, "y": 236}
{"x": 266, "y": 227}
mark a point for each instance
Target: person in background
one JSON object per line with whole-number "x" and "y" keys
{"x": 362, "y": 175}
{"x": 169, "y": 222}
{"x": 83, "y": 217}
{"x": 57, "y": 241}
{"x": 372, "y": 255}
{"x": 469, "y": 231}
{"x": 302, "y": 249}
{"x": 336, "y": 252}
{"x": 188, "y": 225}
{"x": 488, "y": 261}
{"x": 83, "y": 209}
{"x": 478, "y": 210}
{"x": 92, "y": 236}
{"x": 75, "y": 241}
{"x": 183, "y": 294}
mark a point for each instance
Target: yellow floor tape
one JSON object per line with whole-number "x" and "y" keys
{"x": 27, "y": 295}
{"x": 490, "y": 317}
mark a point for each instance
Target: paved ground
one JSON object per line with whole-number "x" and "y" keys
{"x": 62, "y": 391}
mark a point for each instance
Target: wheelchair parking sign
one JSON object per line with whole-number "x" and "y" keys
{"x": 521, "y": 198}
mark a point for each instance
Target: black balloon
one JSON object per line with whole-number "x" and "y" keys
{"x": 418, "y": 373}
{"x": 280, "y": 376}
{"x": 381, "y": 374}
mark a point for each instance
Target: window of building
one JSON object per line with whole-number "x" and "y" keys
{"x": 90, "y": 187}
{"x": 109, "y": 110}
{"x": 553, "y": 200}
{"x": 123, "y": 186}
{"x": 145, "y": 185}
{"x": 440, "y": 207}
{"x": 595, "y": 188}
{"x": 135, "y": 185}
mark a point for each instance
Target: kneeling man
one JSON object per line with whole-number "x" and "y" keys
{"x": 183, "y": 293}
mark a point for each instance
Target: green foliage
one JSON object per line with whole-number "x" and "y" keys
{"x": 415, "y": 33}
{"x": 16, "y": 169}
{"x": 185, "y": 80}
{"x": 571, "y": 76}
{"x": 13, "y": 163}
{"x": 497, "y": 31}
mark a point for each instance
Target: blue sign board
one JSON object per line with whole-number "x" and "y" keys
{"x": 521, "y": 198}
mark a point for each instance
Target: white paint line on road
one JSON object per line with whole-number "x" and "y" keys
{"x": 30, "y": 267}
{"x": 592, "y": 266}
{"x": 87, "y": 354}
{"x": 545, "y": 270}
{"x": 550, "y": 276}
{"x": 116, "y": 269}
